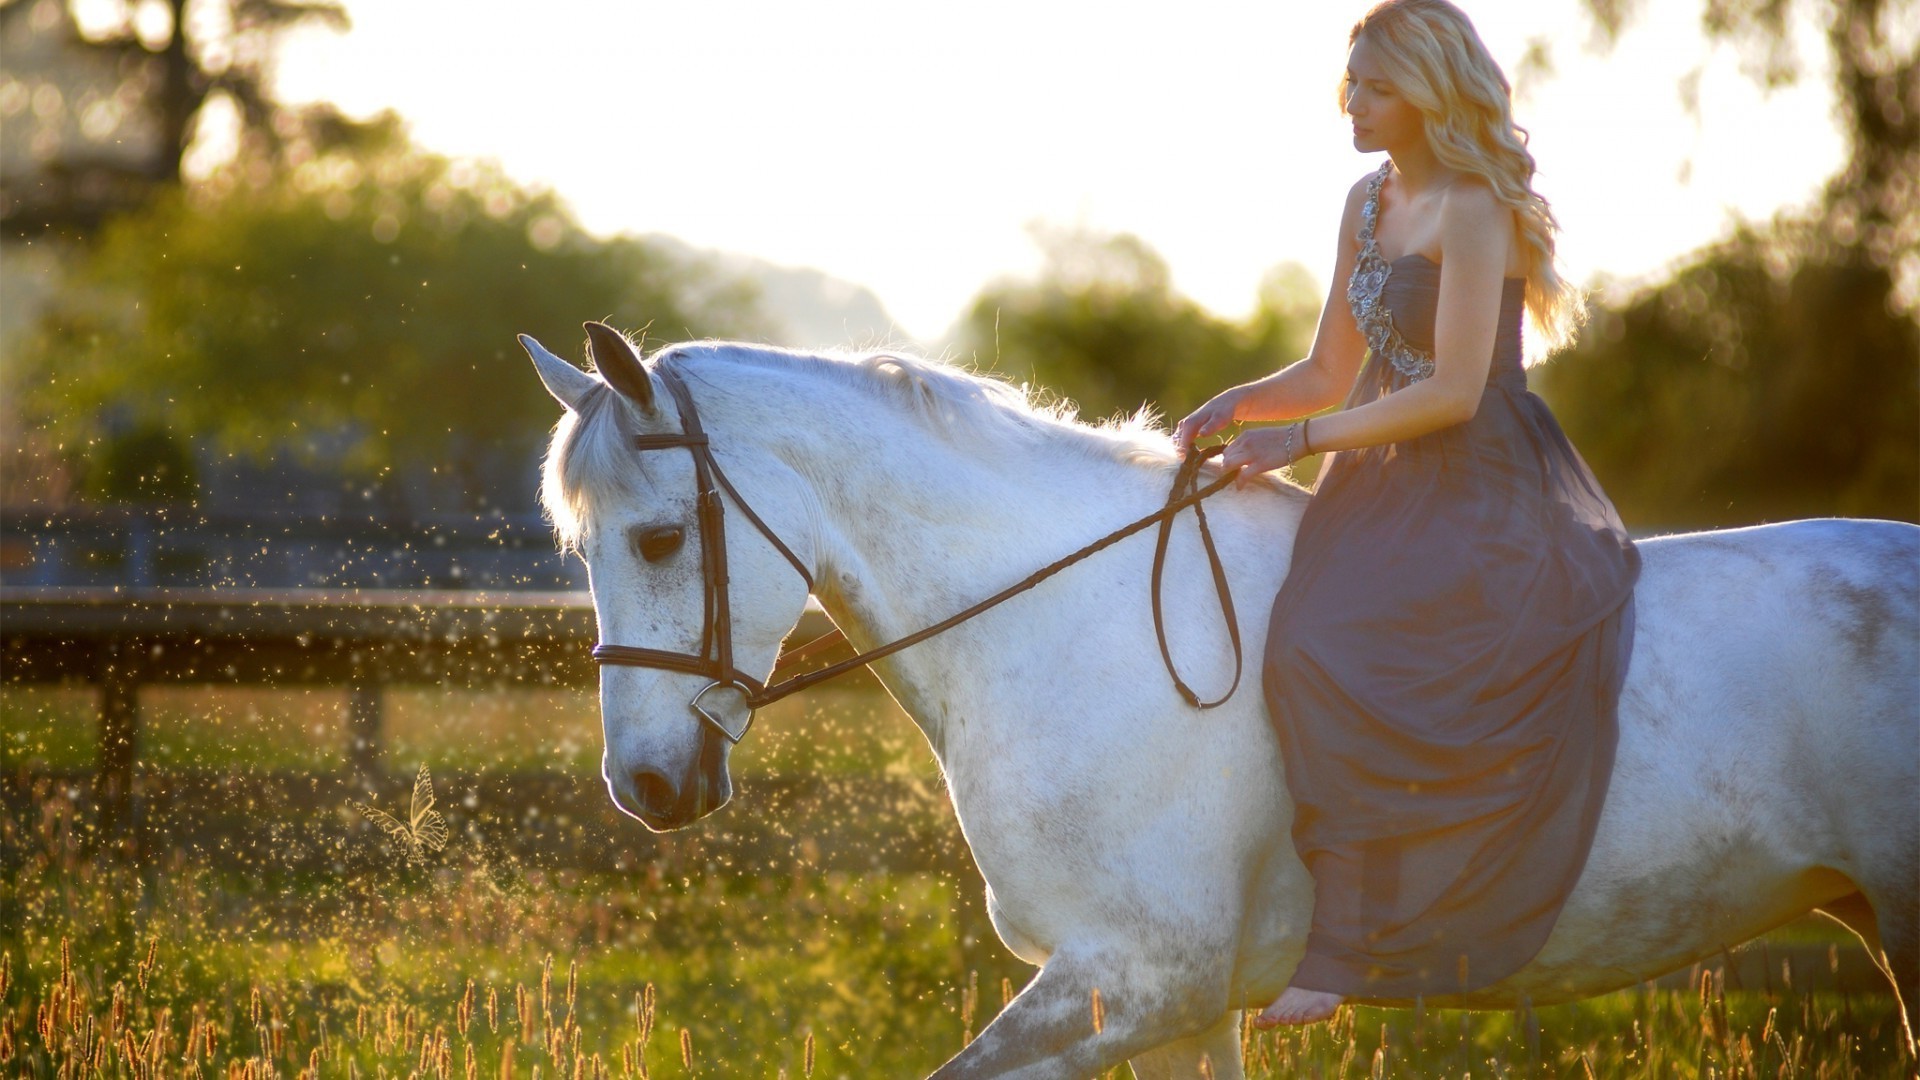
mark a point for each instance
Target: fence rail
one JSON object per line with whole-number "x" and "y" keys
{"x": 120, "y": 638}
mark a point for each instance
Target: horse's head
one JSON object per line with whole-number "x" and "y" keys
{"x": 621, "y": 485}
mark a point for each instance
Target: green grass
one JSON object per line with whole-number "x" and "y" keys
{"x": 360, "y": 956}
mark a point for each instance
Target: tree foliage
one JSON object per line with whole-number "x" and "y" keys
{"x": 1776, "y": 373}
{"x": 1755, "y": 384}
{"x": 1103, "y": 325}
{"x": 360, "y": 304}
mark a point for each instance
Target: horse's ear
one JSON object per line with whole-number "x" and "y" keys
{"x": 567, "y": 384}
{"x": 617, "y": 363}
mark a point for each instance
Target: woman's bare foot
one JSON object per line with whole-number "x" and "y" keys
{"x": 1298, "y": 1006}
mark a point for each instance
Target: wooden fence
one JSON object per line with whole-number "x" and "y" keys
{"x": 120, "y": 638}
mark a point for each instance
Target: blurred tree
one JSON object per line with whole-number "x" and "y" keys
{"x": 355, "y": 299}
{"x": 141, "y": 464}
{"x": 120, "y": 88}
{"x": 1754, "y": 384}
{"x": 1776, "y": 373}
{"x": 1104, "y": 326}
{"x": 1871, "y": 208}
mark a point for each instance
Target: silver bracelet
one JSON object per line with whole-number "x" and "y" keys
{"x": 1289, "y": 445}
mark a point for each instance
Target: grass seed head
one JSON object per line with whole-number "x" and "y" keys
{"x": 146, "y": 965}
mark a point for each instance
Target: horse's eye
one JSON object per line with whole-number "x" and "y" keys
{"x": 659, "y": 542}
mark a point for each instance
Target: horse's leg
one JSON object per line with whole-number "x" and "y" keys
{"x": 1890, "y": 929}
{"x": 1218, "y": 1047}
{"x": 1055, "y": 1031}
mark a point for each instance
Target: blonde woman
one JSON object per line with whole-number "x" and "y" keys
{"x": 1445, "y": 657}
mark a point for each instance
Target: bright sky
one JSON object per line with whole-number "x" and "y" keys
{"x": 907, "y": 146}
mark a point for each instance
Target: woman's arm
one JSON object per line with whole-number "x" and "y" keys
{"x": 1476, "y": 232}
{"x": 1319, "y": 380}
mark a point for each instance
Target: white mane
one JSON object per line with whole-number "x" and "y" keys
{"x": 587, "y": 459}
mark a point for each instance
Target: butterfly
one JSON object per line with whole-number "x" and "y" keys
{"x": 424, "y": 830}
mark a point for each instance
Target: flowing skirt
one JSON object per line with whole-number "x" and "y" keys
{"x": 1443, "y": 669}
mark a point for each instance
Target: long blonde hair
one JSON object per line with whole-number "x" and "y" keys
{"x": 1431, "y": 54}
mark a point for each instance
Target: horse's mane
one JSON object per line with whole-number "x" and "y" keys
{"x": 587, "y": 460}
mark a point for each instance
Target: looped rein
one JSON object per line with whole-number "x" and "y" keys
{"x": 1186, "y": 481}
{"x": 715, "y": 659}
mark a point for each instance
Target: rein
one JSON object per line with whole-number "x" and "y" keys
{"x": 715, "y": 659}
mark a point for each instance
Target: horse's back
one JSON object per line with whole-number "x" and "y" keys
{"x": 1769, "y": 741}
{"x": 1797, "y": 642}
{"x": 1840, "y": 596}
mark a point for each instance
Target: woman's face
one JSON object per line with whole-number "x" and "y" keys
{"x": 1382, "y": 119}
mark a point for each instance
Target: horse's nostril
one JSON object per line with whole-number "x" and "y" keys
{"x": 654, "y": 792}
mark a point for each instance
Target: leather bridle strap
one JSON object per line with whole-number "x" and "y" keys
{"x": 1163, "y": 517}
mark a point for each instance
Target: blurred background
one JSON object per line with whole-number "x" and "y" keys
{"x": 268, "y": 451}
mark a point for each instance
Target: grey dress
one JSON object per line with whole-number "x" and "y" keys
{"x": 1443, "y": 668}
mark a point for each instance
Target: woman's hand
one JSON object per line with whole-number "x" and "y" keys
{"x": 1261, "y": 450}
{"x": 1209, "y": 419}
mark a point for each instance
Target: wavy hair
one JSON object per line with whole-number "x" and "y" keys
{"x": 1431, "y": 54}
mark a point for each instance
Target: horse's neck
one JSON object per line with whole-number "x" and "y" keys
{"x": 915, "y": 525}
{"x": 907, "y": 527}
{"x": 929, "y": 532}
{"x": 910, "y": 526}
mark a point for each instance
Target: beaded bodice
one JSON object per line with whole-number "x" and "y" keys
{"x": 1407, "y": 344}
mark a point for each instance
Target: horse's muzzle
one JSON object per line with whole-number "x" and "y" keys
{"x": 662, "y": 805}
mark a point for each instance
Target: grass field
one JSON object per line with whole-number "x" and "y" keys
{"x": 824, "y": 958}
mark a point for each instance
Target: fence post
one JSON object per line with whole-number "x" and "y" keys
{"x": 119, "y": 681}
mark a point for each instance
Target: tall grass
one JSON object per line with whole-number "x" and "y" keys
{"x": 111, "y": 969}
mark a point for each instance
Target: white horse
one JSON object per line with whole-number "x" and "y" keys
{"x": 1769, "y": 749}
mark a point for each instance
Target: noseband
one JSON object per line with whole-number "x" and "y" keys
{"x": 715, "y": 658}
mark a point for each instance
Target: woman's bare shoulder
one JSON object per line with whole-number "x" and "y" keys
{"x": 1356, "y": 202}
{"x": 1470, "y": 202}
{"x": 1357, "y": 194}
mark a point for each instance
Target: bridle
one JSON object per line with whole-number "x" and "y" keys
{"x": 714, "y": 661}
